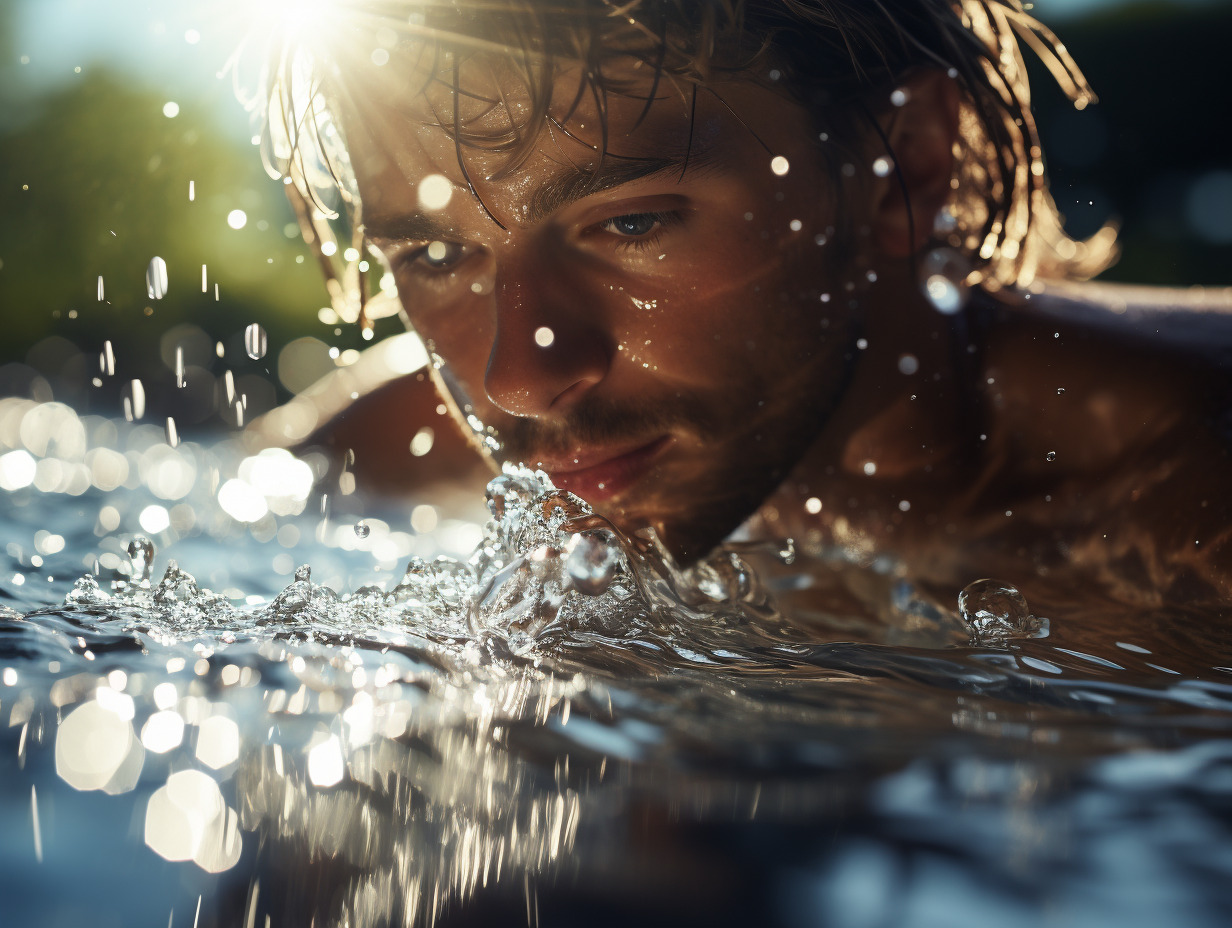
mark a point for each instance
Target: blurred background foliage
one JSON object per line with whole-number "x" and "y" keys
{"x": 95, "y": 175}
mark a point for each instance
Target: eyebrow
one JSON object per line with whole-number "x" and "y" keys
{"x": 558, "y": 192}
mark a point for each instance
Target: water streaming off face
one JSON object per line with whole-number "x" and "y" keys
{"x": 307, "y": 720}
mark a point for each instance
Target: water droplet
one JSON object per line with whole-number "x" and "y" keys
{"x": 943, "y": 279}
{"x": 898, "y": 97}
{"x": 779, "y": 165}
{"x": 1051, "y": 456}
{"x": 908, "y": 364}
{"x": 156, "y": 278}
{"x": 141, "y": 558}
{"x": 1060, "y": 391}
{"x": 544, "y": 336}
{"x": 100, "y": 288}
{"x": 106, "y": 360}
{"x": 995, "y": 611}
{"x": 362, "y": 529}
{"x": 592, "y": 562}
{"x": 883, "y": 166}
{"x": 134, "y": 400}
{"x": 173, "y": 435}
{"x": 255, "y": 344}
{"x": 435, "y": 192}
{"x": 421, "y": 444}
{"x": 237, "y": 219}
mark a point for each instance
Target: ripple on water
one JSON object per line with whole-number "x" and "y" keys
{"x": 569, "y": 708}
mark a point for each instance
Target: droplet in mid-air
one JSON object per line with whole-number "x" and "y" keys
{"x": 255, "y": 343}
{"x": 1051, "y": 456}
{"x": 943, "y": 274}
{"x": 362, "y": 529}
{"x": 134, "y": 400}
{"x": 995, "y": 611}
{"x": 141, "y": 558}
{"x": 156, "y": 278}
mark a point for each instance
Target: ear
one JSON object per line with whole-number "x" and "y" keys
{"x": 921, "y": 133}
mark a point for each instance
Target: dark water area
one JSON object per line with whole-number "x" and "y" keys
{"x": 566, "y": 728}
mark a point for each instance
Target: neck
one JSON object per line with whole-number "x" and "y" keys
{"x": 908, "y": 424}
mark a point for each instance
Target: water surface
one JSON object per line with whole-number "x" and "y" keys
{"x": 292, "y": 707}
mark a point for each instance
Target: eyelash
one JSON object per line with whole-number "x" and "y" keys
{"x": 662, "y": 221}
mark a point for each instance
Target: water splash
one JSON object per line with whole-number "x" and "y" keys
{"x": 995, "y": 612}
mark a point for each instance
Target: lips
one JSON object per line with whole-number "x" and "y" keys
{"x": 597, "y": 474}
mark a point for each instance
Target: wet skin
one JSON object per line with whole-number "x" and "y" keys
{"x": 672, "y": 360}
{"x": 684, "y": 356}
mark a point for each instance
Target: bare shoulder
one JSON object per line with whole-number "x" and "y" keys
{"x": 1193, "y": 320}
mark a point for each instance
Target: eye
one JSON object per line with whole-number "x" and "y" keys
{"x": 634, "y": 225}
{"x": 440, "y": 255}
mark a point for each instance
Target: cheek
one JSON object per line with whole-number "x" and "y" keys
{"x": 458, "y": 330}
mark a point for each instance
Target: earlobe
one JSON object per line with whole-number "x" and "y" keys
{"x": 921, "y": 133}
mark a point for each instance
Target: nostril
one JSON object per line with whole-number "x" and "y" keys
{"x": 573, "y": 392}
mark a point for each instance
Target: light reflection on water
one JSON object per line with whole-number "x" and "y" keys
{"x": 564, "y": 726}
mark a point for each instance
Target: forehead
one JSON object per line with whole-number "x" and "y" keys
{"x": 487, "y": 113}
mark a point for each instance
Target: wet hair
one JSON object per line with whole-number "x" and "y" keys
{"x": 841, "y": 59}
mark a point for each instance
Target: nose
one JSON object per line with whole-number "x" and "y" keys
{"x": 548, "y": 352}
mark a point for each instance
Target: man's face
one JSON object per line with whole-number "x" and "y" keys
{"x": 664, "y": 338}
